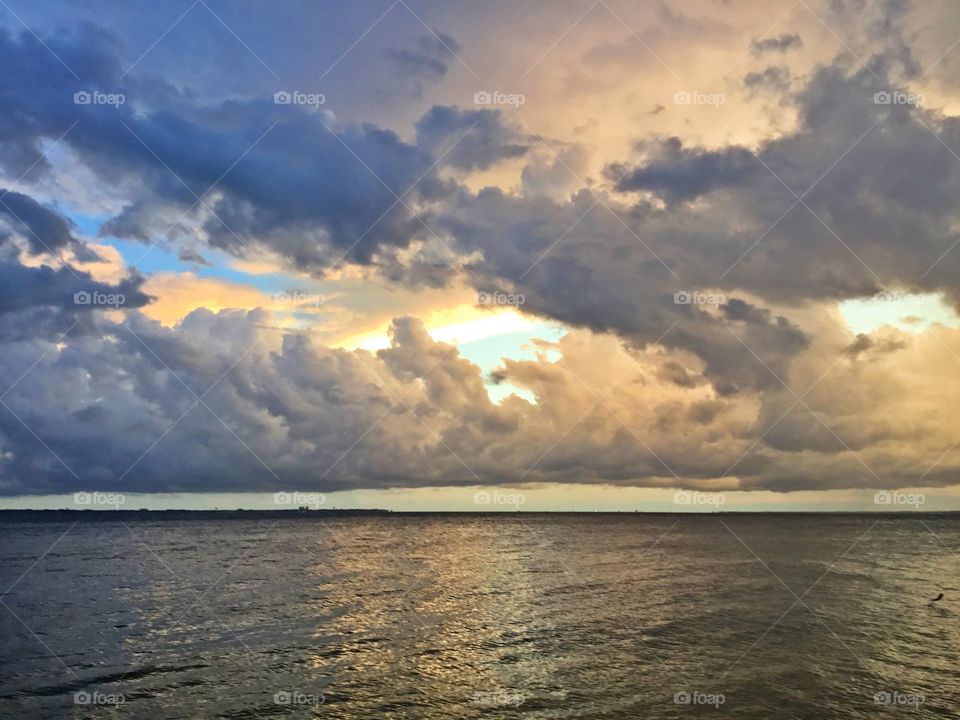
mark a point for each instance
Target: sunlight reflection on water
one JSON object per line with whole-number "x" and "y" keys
{"x": 539, "y": 616}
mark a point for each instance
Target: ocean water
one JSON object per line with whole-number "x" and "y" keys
{"x": 458, "y": 616}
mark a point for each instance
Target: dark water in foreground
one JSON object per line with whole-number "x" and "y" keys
{"x": 531, "y": 616}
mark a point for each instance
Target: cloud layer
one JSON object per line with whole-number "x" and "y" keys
{"x": 700, "y": 282}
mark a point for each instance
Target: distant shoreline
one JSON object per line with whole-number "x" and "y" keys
{"x": 68, "y": 515}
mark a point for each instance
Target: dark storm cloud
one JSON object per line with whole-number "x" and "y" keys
{"x": 679, "y": 173}
{"x": 427, "y": 60}
{"x": 191, "y": 256}
{"x": 468, "y": 139}
{"x": 296, "y": 406}
{"x": 737, "y": 309}
{"x": 48, "y": 291}
{"x": 771, "y": 78}
{"x": 285, "y": 176}
{"x": 675, "y": 373}
{"x": 866, "y": 344}
{"x": 24, "y": 287}
{"x": 878, "y": 210}
{"x": 117, "y": 409}
{"x": 45, "y": 230}
{"x": 780, "y": 43}
{"x": 282, "y": 175}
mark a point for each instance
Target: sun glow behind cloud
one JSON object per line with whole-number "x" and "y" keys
{"x": 909, "y": 312}
{"x": 482, "y": 336}
{"x": 457, "y": 326}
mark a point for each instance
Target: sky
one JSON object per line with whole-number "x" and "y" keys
{"x": 688, "y": 256}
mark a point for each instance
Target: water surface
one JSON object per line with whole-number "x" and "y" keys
{"x": 459, "y": 616}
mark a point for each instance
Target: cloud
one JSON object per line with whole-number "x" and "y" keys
{"x": 468, "y": 139}
{"x": 780, "y": 43}
{"x": 427, "y": 60}
{"x": 178, "y": 294}
{"x": 678, "y": 173}
{"x": 43, "y": 285}
{"x": 198, "y": 170}
{"x": 168, "y": 152}
{"x": 555, "y": 177}
{"x": 766, "y": 237}
{"x": 44, "y": 230}
{"x": 191, "y": 256}
{"x": 118, "y": 406}
{"x": 31, "y": 287}
{"x": 771, "y": 78}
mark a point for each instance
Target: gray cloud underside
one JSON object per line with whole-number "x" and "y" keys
{"x": 119, "y": 408}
